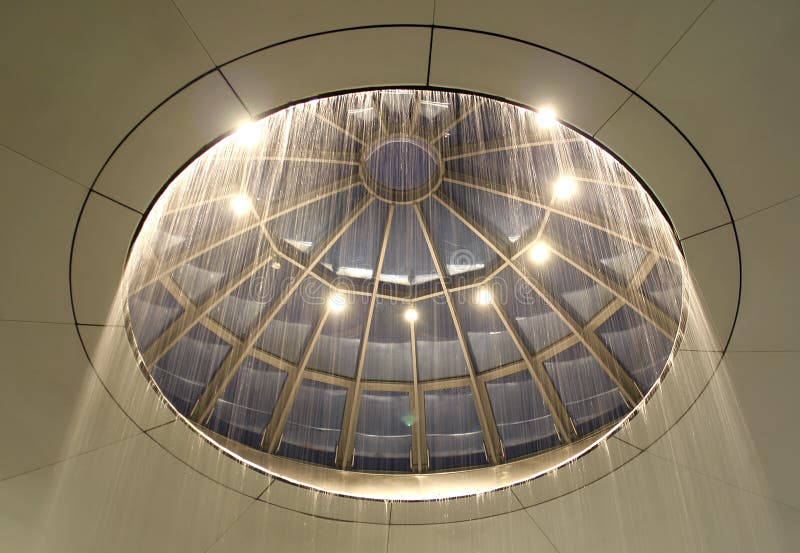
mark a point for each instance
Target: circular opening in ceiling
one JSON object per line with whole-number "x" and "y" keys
{"x": 405, "y": 294}
{"x": 401, "y": 168}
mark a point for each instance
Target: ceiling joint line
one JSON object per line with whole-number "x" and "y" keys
{"x": 273, "y": 432}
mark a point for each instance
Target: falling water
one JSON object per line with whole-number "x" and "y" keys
{"x": 403, "y": 282}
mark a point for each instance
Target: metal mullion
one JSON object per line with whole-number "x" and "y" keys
{"x": 630, "y": 390}
{"x": 160, "y": 268}
{"x": 340, "y": 185}
{"x": 581, "y": 218}
{"x": 485, "y": 416}
{"x": 205, "y": 403}
{"x": 486, "y": 149}
{"x": 637, "y": 302}
{"x": 563, "y": 423}
{"x": 347, "y": 439}
{"x": 274, "y": 429}
{"x": 418, "y": 436}
{"x": 194, "y": 313}
{"x": 338, "y": 127}
{"x": 445, "y": 383}
{"x": 199, "y": 203}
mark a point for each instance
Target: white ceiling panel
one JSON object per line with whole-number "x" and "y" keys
{"x": 231, "y": 29}
{"x": 713, "y": 261}
{"x": 668, "y": 165}
{"x": 769, "y": 268}
{"x": 583, "y": 471}
{"x": 765, "y": 385}
{"x": 129, "y": 497}
{"x": 625, "y": 38}
{"x": 526, "y": 74}
{"x": 101, "y": 246}
{"x": 731, "y": 84}
{"x": 77, "y": 79}
{"x": 739, "y": 430}
{"x": 54, "y": 406}
{"x": 198, "y": 453}
{"x": 653, "y": 505}
{"x": 514, "y": 532}
{"x": 455, "y": 510}
{"x": 330, "y": 63}
{"x": 687, "y": 378}
{"x": 266, "y": 527}
{"x": 168, "y": 139}
{"x": 296, "y": 498}
{"x": 113, "y": 361}
{"x": 42, "y": 208}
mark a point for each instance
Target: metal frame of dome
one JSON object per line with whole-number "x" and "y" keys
{"x": 499, "y": 473}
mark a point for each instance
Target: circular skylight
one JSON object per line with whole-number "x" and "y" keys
{"x": 405, "y": 293}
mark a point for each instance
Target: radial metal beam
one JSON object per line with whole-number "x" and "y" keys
{"x": 450, "y": 155}
{"x": 472, "y": 182}
{"x": 418, "y": 432}
{"x": 205, "y": 403}
{"x": 627, "y": 386}
{"x": 193, "y": 314}
{"x": 485, "y": 415}
{"x": 456, "y": 120}
{"x": 563, "y": 423}
{"x": 633, "y": 299}
{"x": 274, "y": 429}
{"x": 347, "y": 437}
{"x": 338, "y": 127}
{"x": 296, "y": 202}
{"x": 159, "y": 269}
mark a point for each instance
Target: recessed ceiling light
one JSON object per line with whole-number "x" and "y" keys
{"x": 337, "y": 303}
{"x": 546, "y": 118}
{"x": 248, "y": 134}
{"x": 539, "y": 252}
{"x": 483, "y": 297}
{"x": 241, "y": 204}
{"x": 411, "y": 315}
{"x": 565, "y": 187}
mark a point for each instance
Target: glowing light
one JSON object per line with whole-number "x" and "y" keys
{"x": 248, "y": 134}
{"x": 275, "y": 264}
{"x": 337, "y": 303}
{"x": 411, "y": 315}
{"x": 483, "y": 297}
{"x": 241, "y": 204}
{"x": 546, "y": 118}
{"x": 539, "y": 252}
{"x": 565, "y": 187}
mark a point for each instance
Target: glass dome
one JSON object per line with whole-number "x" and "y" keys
{"x": 401, "y": 282}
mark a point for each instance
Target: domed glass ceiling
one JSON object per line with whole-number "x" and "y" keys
{"x": 404, "y": 281}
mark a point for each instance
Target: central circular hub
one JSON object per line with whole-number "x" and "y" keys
{"x": 401, "y": 163}
{"x": 401, "y": 169}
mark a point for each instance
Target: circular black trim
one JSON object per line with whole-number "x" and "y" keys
{"x": 433, "y": 27}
